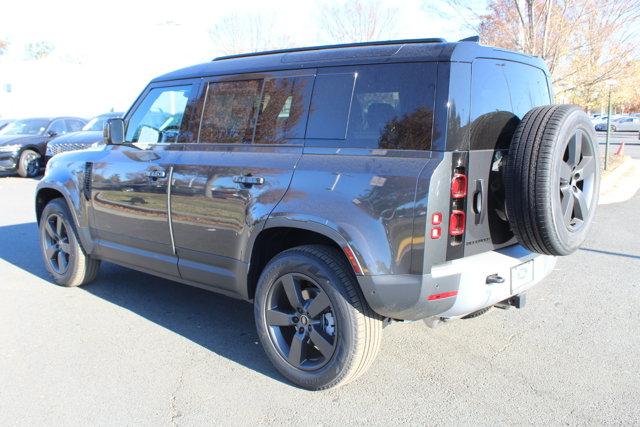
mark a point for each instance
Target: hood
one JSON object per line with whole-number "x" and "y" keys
{"x": 20, "y": 139}
{"x": 83, "y": 137}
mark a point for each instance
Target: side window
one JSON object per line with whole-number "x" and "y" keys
{"x": 283, "y": 109}
{"x": 229, "y": 112}
{"x": 74, "y": 125}
{"x": 392, "y": 107}
{"x": 387, "y": 106}
{"x": 58, "y": 127}
{"x": 160, "y": 115}
{"x": 528, "y": 87}
{"x": 490, "y": 89}
{"x": 501, "y": 94}
{"x": 330, "y": 103}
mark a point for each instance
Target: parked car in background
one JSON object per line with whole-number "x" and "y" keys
{"x": 4, "y": 123}
{"x": 90, "y": 134}
{"x": 602, "y": 124}
{"x": 626, "y": 124}
{"x": 23, "y": 142}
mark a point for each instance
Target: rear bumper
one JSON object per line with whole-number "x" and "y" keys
{"x": 463, "y": 282}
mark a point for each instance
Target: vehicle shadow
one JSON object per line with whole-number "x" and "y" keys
{"x": 220, "y": 324}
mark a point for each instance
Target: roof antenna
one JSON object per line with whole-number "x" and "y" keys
{"x": 473, "y": 39}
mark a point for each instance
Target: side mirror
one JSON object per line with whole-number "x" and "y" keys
{"x": 52, "y": 133}
{"x": 113, "y": 133}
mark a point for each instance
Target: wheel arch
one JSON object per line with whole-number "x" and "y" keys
{"x": 282, "y": 234}
{"x": 50, "y": 190}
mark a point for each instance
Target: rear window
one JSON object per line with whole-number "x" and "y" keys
{"x": 387, "y": 106}
{"x": 502, "y": 93}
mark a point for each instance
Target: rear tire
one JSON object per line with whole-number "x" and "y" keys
{"x": 63, "y": 256}
{"x": 337, "y": 345}
{"x": 552, "y": 179}
{"x": 29, "y": 164}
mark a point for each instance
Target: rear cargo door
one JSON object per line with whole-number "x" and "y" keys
{"x": 502, "y": 92}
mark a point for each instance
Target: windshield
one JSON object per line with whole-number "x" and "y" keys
{"x": 25, "y": 127}
{"x": 97, "y": 123}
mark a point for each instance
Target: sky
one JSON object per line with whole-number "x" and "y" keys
{"x": 107, "y": 51}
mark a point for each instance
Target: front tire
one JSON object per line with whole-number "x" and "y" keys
{"x": 29, "y": 164}
{"x": 63, "y": 256}
{"x": 312, "y": 319}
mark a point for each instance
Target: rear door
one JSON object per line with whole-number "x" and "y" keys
{"x": 129, "y": 188}
{"x": 502, "y": 92}
{"x": 227, "y": 182}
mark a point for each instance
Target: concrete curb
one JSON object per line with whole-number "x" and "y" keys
{"x": 620, "y": 184}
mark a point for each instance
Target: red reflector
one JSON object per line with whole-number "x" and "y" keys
{"x": 458, "y": 186}
{"x": 434, "y": 297}
{"x": 436, "y": 232}
{"x": 352, "y": 260}
{"x": 456, "y": 223}
{"x": 436, "y": 218}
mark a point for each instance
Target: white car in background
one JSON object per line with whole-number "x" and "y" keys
{"x": 626, "y": 124}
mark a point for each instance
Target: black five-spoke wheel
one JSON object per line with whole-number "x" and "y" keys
{"x": 66, "y": 261}
{"x": 56, "y": 243}
{"x": 301, "y": 321}
{"x": 577, "y": 175}
{"x": 312, "y": 319}
{"x": 552, "y": 179}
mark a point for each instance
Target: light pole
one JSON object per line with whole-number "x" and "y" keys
{"x": 610, "y": 83}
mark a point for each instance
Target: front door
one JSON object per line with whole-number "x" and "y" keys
{"x": 227, "y": 183}
{"x": 130, "y": 183}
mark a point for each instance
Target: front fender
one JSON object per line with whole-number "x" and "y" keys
{"x": 65, "y": 175}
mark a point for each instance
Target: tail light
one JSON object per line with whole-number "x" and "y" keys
{"x": 456, "y": 223}
{"x": 457, "y": 217}
{"x": 458, "y": 186}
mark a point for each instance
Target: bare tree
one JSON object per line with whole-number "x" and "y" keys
{"x": 357, "y": 21}
{"x": 248, "y": 33}
{"x": 584, "y": 42}
{"x": 39, "y": 50}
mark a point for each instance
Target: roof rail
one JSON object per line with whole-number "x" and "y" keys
{"x": 331, "y": 46}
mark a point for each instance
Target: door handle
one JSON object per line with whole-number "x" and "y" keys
{"x": 156, "y": 173}
{"x": 478, "y": 201}
{"x": 248, "y": 180}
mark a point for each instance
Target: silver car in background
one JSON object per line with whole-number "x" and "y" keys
{"x": 626, "y": 124}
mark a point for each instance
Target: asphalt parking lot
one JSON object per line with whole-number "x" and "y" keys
{"x": 134, "y": 349}
{"x": 630, "y": 139}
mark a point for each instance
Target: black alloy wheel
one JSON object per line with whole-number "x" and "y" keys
{"x": 552, "y": 179}
{"x": 577, "y": 177}
{"x": 301, "y": 321}
{"x": 65, "y": 259}
{"x": 312, "y": 318}
{"x": 56, "y": 244}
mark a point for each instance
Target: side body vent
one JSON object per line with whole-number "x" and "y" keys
{"x": 86, "y": 188}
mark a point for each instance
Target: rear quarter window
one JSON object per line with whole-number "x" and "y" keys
{"x": 502, "y": 92}
{"x": 388, "y": 106}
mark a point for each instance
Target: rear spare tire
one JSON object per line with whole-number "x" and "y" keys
{"x": 552, "y": 179}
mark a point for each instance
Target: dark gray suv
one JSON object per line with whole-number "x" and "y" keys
{"x": 338, "y": 188}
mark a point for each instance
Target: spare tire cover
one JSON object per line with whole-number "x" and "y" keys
{"x": 552, "y": 179}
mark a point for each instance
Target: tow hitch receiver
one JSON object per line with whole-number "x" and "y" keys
{"x": 517, "y": 301}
